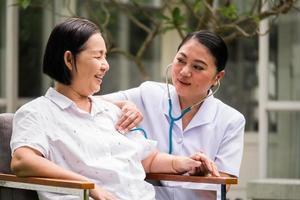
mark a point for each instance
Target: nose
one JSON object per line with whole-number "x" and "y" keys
{"x": 104, "y": 66}
{"x": 185, "y": 71}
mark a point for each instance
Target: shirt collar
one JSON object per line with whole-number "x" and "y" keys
{"x": 64, "y": 102}
{"x": 205, "y": 114}
{"x": 98, "y": 106}
{"x": 59, "y": 99}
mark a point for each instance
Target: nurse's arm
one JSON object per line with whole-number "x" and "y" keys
{"x": 131, "y": 115}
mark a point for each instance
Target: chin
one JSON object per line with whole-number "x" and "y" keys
{"x": 97, "y": 90}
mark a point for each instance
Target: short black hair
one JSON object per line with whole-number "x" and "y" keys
{"x": 70, "y": 35}
{"x": 213, "y": 42}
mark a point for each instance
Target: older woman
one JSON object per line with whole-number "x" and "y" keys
{"x": 69, "y": 134}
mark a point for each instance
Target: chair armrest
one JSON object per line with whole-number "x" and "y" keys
{"x": 195, "y": 179}
{"x": 47, "y": 181}
{"x": 79, "y": 188}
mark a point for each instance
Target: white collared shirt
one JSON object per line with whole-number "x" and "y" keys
{"x": 217, "y": 129}
{"x": 86, "y": 143}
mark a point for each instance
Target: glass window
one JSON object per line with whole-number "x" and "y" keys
{"x": 284, "y": 79}
{"x": 284, "y": 145}
{"x": 238, "y": 87}
{"x": 2, "y": 46}
{"x": 30, "y": 51}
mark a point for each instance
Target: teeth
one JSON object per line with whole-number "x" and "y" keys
{"x": 98, "y": 76}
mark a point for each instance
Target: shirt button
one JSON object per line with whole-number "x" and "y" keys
{"x": 180, "y": 140}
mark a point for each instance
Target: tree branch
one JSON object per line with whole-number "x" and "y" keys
{"x": 203, "y": 22}
{"x": 178, "y": 28}
{"x": 133, "y": 58}
{"x": 131, "y": 17}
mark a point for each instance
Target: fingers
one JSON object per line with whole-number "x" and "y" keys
{"x": 207, "y": 166}
{"x": 201, "y": 157}
{"x": 127, "y": 121}
{"x": 130, "y": 118}
{"x": 215, "y": 171}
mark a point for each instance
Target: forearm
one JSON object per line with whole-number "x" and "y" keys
{"x": 166, "y": 163}
{"x": 160, "y": 162}
{"x": 25, "y": 163}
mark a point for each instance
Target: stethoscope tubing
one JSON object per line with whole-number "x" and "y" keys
{"x": 183, "y": 112}
{"x": 173, "y": 119}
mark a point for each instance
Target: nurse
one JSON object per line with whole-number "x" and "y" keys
{"x": 211, "y": 126}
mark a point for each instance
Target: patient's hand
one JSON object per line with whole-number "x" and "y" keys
{"x": 101, "y": 194}
{"x": 130, "y": 118}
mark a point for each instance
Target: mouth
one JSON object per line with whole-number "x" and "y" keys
{"x": 182, "y": 82}
{"x": 99, "y": 78}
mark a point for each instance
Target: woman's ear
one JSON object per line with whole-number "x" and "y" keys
{"x": 68, "y": 58}
{"x": 219, "y": 76}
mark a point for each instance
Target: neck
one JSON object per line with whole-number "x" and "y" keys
{"x": 184, "y": 103}
{"x": 82, "y": 101}
{"x": 188, "y": 116}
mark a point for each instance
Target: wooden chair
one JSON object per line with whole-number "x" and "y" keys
{"x": 17, "y": 188}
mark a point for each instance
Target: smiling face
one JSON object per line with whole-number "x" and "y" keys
{"x": 91, "y": 66}
{"x": 194, "y": 72}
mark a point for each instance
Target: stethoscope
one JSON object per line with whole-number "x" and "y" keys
{"x": 173, "y": 118}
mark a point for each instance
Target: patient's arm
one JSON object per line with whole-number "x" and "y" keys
{"x": 29, "y": 162}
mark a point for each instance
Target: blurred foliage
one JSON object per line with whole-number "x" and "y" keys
{"x": 232, "y": 19}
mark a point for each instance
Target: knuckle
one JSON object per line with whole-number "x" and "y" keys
{"x": 127, "y": 114}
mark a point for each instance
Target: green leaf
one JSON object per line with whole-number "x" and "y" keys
{"x": 178, "y": 19}
{"x": 230, "y": 12}
{"x": 163, "y": 17}
{"x": 176, "y": 12}
{"x": 197, "y": 6}
{"x": 166, "y": 29}
{"x": 24, "y": 3}
{"x": 256, "y": 19}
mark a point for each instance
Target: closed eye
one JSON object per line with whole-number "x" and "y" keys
{"x": 198, "y": 67}
{"x": 180, "y": 60}
{"x": 99, "y": 57}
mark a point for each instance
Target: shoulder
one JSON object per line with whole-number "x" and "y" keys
{"x": 153, "y": 85}
{"x": 229, "y": 112}
{"x": 36, "y": 106}
{"x": 35, "y": 111}
{"x": 152, "y": 88}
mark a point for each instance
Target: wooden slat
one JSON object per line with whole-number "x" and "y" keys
{"x": 196, "y": 179}
{"x": 48, "y": 181}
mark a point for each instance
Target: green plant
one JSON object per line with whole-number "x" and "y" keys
{"x": 223, "y": 17}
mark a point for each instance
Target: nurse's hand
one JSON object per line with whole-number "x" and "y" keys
{"x": 130, "y": 118}
{"x": 207, "y": 167}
